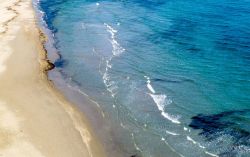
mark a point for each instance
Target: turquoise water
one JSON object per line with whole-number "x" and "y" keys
{"x": 172, "y": 78}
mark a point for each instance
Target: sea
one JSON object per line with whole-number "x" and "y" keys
{"x": 155, "y": 78}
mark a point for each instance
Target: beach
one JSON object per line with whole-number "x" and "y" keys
{"x": 124, "y": 78}
{"x": 35, "y": 120}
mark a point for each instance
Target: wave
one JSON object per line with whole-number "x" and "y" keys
{"x": 172, "y": 118}
{"x": 161, "y": 102}
{"x": 171, "y": 133}
{"x": 190, "y": 139}
{"x": 149, "y": 84}
{"x": 194, "y": 142}
{"x": 117, "y": 48}
{"x": 197, "y": 143}
{"x": 211, "y": 154}
{"x": 110, "y": 85}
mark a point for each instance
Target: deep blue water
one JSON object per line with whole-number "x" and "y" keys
{"x": 172, "y": 76}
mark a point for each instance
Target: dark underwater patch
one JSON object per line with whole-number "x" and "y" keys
{"x": 173, "y": 80}
{"x": 233, "y": 123}
{"x": 60, "y": 63}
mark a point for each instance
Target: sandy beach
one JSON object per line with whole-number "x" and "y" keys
{"x": 35, "y": 119}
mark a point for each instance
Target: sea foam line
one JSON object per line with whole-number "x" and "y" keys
{"x": 161, "y": 101}
{"x": 211, "y": 154}
{"x": 190, "y": 139}
{"x": 117, "y": 50}
{"x": 149, "y": 84}
{"x": 110, "y": 85}
{"x": 194, "y": 142}
{"x": 171, "y": 133}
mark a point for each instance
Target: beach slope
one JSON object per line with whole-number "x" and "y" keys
{"x": 35, "y": 120}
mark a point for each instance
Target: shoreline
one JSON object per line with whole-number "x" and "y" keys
{"x": 36, "y": 119}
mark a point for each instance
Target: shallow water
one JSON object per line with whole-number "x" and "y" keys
{"x": 172, "y": 78}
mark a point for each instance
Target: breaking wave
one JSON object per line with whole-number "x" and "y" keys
{"x": 161, "y": 102}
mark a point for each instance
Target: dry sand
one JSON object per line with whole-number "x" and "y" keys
{"x": 35, "y": 120}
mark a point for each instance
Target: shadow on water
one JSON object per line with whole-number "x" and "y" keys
{"x": 233, "y": 124}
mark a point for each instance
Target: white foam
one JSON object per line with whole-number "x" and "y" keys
{"x": 173, "y": 119}
{"x": 97, "y": 4}
{"x": 171, "y": 133}
{"x": 117, "y": 48}
{"x": 116, "y": 51}
{"x": 122, "y": 125}
{"x": 111, "y": 30}
{"x": 190, "y": 139}
{"x": 194, "y": 142}
{"x": 211, "y": 154}
{"x": 160, "y": 101}
{"x": 108, "y": 64}
{"x": 150, "y": 86}
{"x": 135, "y": 145}
{"x": 110, "y": 85}
{"x": 185, "y": 128}
{"x": 201, "y": 146}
